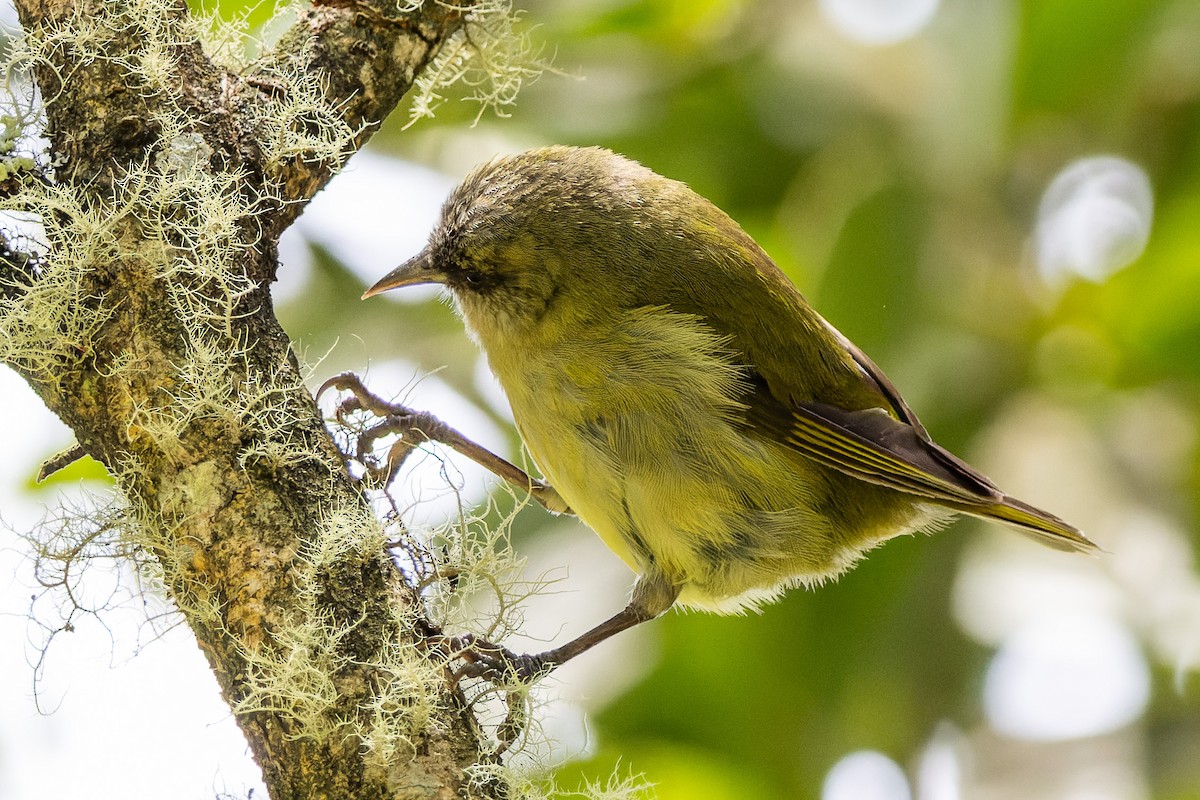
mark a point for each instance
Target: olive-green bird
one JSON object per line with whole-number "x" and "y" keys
{"x": 678, "y": 392}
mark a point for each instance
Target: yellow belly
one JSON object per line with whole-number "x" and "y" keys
{"x": 636, "y": 426}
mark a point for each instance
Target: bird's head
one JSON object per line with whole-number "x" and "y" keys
{"x": 524, "y": 235}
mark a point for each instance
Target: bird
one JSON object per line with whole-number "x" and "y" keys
{"x": 680, "y": 395}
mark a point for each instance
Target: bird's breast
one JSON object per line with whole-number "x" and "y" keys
{"x": 618, "y": 412}
{"x": 637, "y": 422}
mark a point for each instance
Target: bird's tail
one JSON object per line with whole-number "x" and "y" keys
{"x": 1041, "y": 525}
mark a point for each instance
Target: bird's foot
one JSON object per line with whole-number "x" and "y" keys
{"x": 414, "y": 429}
{"x": 495, "y": 663}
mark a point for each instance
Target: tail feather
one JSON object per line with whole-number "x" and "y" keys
{"x": 1041, "y": 525}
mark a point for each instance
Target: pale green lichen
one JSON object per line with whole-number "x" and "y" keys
{"x": 298, "y": 122}
{"x": 617, "y": 786}
{"x": 47, "y": 322}
{"x": 13, "y": 161}
{"x": 292, "y": 114}
{"x": 297, "y": 676}
{"x": 485, "y": 596}
{"x": 489, "y": 55}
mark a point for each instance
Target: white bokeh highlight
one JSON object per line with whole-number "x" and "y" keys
{"x": 940, "y": 769}
{"x": 1094, "y": 219}
{"x": 1066, "y": 676}
{"x": 866, "y": 775}
{"x": 879, "y": 22}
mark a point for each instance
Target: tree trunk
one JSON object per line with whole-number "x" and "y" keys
{"x": 144, "y": 320}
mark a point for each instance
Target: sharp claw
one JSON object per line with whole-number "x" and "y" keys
{"x": 343, "y": 380}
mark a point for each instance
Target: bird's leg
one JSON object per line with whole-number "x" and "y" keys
{"x": 402, "y": 420}
{"x": 492, "y": 661}
{"x": 652, "y": 596}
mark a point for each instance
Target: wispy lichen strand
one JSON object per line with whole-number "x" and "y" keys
{"x": 489, "y": 55}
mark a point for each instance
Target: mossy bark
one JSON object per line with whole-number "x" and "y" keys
{"x": 231, "y": 530}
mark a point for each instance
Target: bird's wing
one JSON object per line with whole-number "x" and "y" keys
{"x": 874, "y": 447}
{"x": 871, "y": 445}
{"x": 912, "y": 457}
{"x": 810, "y": 387}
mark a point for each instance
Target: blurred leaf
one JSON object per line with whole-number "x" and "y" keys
{"x": 1075, "y": 55}
{"x": 680, "y": 772}
{"x": 870, "y": 289}
{"x": 252, "y": 14}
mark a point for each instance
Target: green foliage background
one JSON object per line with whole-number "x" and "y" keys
{"x": 898, "y": 186}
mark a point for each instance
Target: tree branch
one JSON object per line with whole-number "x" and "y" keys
{"x": 147, "y": 327}
{"x": 368, "y": 54}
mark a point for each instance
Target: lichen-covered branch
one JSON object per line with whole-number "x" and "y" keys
{"x": 138, "y": 309}
{"x": 361, "y": 59}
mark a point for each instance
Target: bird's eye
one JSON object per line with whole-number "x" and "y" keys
{"x": 472, "y": 277}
